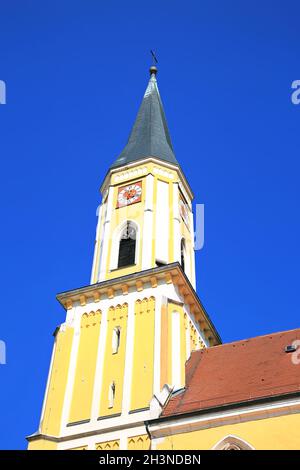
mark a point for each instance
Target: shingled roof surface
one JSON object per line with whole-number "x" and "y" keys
{"x": 150, "y": 136}
{"x": 238, "y": 372}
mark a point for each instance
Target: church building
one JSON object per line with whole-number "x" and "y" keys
{"x": 137, "y": 363}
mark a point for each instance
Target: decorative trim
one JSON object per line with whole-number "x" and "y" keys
{"x": 231, "y": 440}
{"x": 115, "y": 415}
{"x": 168, "y": 273}
{"x": 131, "y": 412}
{"x": 144, "y": 161}
{"x": 96, "y": 296}
{"x": 125, "y": 289}
{"x": 76, "y": 423}
{"x": 227, "y": 414}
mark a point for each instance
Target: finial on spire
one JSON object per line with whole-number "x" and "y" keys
{"x": 153, "y": 68}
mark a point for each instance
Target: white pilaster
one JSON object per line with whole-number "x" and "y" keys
{"x": 192, "y": 256}
{"x": 105, "y": 236}
{"x": 94, "y": 274}
{"x": 148, "y": 224}
{"x": 74, "y": 319}
{"x": 187, "y": 337}
{"x": 162, "y": 232}
{"x": 176, "y": 222}
{"x": 123, "y": 441}
{"x": 176, "y": 359}
{"x": 157, "y": 338}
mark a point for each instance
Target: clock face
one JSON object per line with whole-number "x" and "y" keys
{"x": 129, "y": 194}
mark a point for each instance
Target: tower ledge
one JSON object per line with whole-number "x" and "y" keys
{"x": 169, "y": 274}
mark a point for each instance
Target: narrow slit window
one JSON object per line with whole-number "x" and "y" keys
{"x": 111, "y": 395}
{"x": 182, "y": 249}
{"x": 116, "y": 336}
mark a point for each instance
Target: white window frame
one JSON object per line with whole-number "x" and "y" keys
{"x": 116, "y": 243}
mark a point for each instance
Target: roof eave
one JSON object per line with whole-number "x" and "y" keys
{"x": 172, "y": 166}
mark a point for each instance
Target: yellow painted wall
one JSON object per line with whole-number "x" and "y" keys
{"x": 276, "y": 433}
{"x": 58, "y": 379}
{"x": 108, "y": 445}
{"x": 133, "y": 212}
{"x": 85, "y": 367}
{"x": 141, "y": 442}
{"x": 114, "y": 364}
{"x": 42, "y": 444}
{"x": 143, "y": 355}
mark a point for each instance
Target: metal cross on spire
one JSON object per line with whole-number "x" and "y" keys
{"x": 154, "y": 59}
{"x": 153, "y": 69}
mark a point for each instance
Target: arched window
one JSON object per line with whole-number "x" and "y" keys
{"x": 127, "y": 246}
{"x": 111, "y": 395}
{"x": 116, "y": 334}
{"x": 182, "y": 253}
{"x": 232, "y": 443}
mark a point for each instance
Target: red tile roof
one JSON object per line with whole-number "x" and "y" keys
{"x": 237, "y": 372}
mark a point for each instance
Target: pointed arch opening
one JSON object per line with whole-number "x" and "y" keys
{"x": 124, "y": 251}
{"x": 183, "y": 254}
{"x": 231, "y": 442}
{"x": 116, "y": 337}
{"x": 127, "y": 246}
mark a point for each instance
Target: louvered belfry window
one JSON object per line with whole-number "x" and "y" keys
{"x": 182, "y": 249}
{"x": 127, "y": 246}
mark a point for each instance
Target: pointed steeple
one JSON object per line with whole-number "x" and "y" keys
{"x": 150, "y": 135}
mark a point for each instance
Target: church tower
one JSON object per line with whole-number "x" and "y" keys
{"x": 122, "y": 349}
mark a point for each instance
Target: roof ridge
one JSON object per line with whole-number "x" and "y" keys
{"x": 248, "y": 339}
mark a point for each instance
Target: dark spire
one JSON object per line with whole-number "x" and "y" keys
{"x": 150, "y": 135}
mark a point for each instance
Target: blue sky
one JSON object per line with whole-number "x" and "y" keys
{"x": 75, "y": 73}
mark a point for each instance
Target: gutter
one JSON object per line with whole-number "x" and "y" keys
{"x": 257, "y": 401}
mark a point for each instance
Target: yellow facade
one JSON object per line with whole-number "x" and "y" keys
{"x": 113, "y": 372}
{"x": 274, "y": 433}
{"x": 121, "y": 353}
{"x": 143, "y": 357}
{"x": 86, "y": 365}
{"x": 135, "y": 212}
{"x": 42, "y": 444}
{"x": 108, "y": 445}
{"x": 141, "y": 442}
{"x": 51, "y": 421}
{"x": 120, "y": 215}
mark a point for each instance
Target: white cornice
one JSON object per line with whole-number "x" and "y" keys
{"x": 142, "y": 161}
{"x": 182, "y": 424}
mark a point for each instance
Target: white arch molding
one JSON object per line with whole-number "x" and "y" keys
{"x": 116, "y": 242}
{"x": 232, "y": 442}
